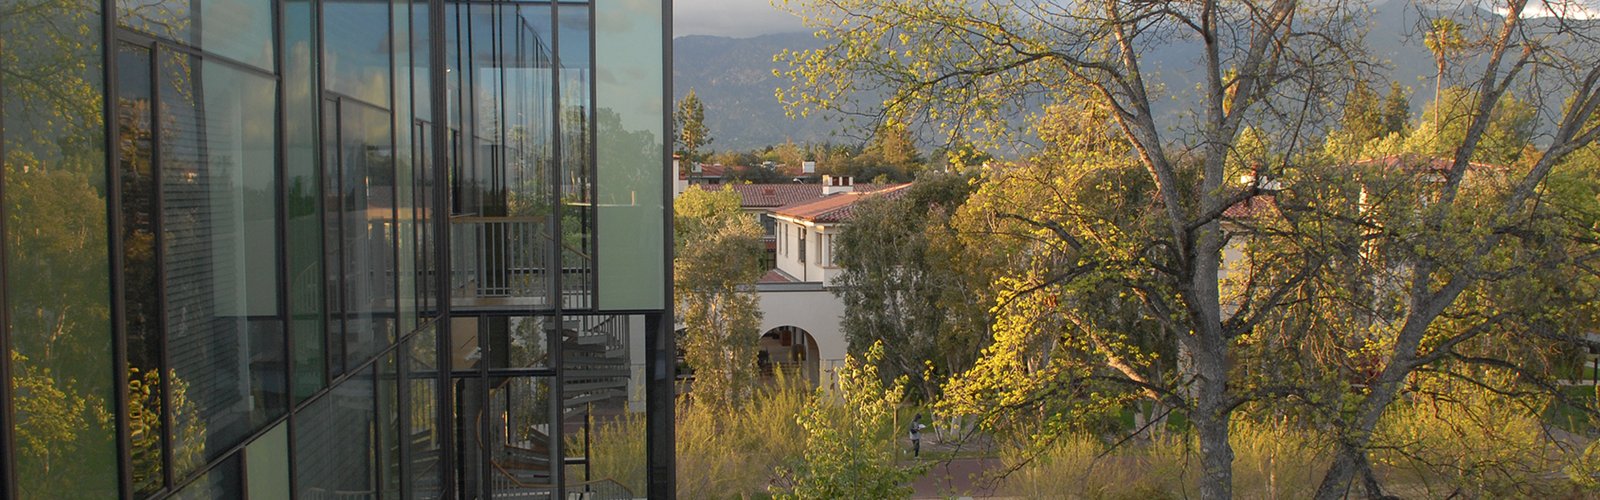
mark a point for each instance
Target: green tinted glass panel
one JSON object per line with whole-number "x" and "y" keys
{"x": 302, "y": 198}
{"x": 629, "y": 122}
{"x": 267, "y": 464}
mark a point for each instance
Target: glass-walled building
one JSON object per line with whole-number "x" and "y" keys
{"x": 335, "y": 249}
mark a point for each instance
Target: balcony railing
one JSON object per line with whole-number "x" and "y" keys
{"x": 509, "y": 258}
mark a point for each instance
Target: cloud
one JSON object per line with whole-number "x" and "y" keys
{"x": 733, "y": 18}
{"x": 1570, "y": 9}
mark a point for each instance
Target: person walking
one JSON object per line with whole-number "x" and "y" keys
{"x": 916, "y": 436}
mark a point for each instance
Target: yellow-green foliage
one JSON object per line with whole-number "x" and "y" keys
{"x": 1270, "y": 461}
{"x": 849, "y": 446}
{"x": 721, "y": 454}
{"x": 718, "y": 259}
{"x": 730, "y": 454}
{"x": 1458, "y": 436}
{"x": 618, "y": 451}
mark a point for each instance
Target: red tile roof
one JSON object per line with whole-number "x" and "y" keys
{"x": 768, "y": 196}
{"x": 776, "y": 276}
{"x": 775, "y": 195}
{"x": 838, "y": 207}
{"x": 1419, "y": 162}
{"x": 1250, "y": 207}
{"x": 707, "y": 170}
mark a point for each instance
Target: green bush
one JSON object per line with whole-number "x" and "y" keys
{"x": 849, "y": 447}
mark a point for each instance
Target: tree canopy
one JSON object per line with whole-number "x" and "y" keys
{"x": 1161, "y": 255}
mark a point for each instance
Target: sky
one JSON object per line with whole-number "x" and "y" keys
{"x": 732, "y": 18}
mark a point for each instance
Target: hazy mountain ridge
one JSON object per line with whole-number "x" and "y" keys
{"x": 733, "y": 77}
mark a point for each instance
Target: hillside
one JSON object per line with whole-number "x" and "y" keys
{"x": 733, "y": 76}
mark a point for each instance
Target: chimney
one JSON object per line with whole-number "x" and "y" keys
{"x": 835, "y": 184}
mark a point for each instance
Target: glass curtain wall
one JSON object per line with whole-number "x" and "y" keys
{"x": 332, "y": 249}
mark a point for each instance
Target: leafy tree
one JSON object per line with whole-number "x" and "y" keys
{"x": 907, "y": 286}
{"x": 961, "y": 64}
{"x": 692, "y": 132}
{"x": 718, "y": 261}
{"x": 849, "y": 451}
{"x": 1396, "y": 110}
{"x": 1444, "y": 39}
{"x": 1508, "y": 135}
{"x": 891, "y": 153}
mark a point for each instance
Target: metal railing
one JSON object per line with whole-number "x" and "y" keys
{"x": 510, "y": 257}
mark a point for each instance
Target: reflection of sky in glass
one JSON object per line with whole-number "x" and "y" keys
{"x": 626, "y": 73}
{"x": 355, "y": 53}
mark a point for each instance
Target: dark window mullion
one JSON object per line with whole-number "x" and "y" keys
{"x": 159, "y": 237}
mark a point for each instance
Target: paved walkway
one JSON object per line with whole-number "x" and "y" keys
{"x": 957, "y": 478}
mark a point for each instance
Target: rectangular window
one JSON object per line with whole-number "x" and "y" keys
{"x": 303, "y": 198}
{"x": 141, "y": 290}
{"x": 218, "y": 248}
{"x": 802, "y": 244}
{"x": 334, "y": 442}
{"x": 57, "y": 274}
{"x": 632, "y": 102}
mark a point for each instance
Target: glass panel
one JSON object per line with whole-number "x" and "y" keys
{"x": 141, "y": 288}
{"x": 423, "y": 436}
{"x": 58, "y": 298}
{"x": 520, "y": 430}
{"x": 332, "y": 237}
{"x": 602, "y": 372}
{"x": 577, "y": 112}
{"x": 302, "y": 198}
{"x": 356, "y": 48}
{"x": 405, "y": 174}
{"x": 501, "y": 168}
{"x": 507, "y": 341}
{"x": 388, "y": 425}
{"x": 220, "y": 483}
{"x": 219, "y": 254}
{"x": 632, "y": 168}
{"x": 267, "y": 464}
{"x": 366, "y": 192}
{"x": 170, "y": 19}
{"x": 334, "y": 439}
{"x": 238, "y": 29}
{"x": 423, "y": 179}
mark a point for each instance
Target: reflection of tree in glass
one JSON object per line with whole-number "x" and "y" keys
{"x": 144, "y": 427}
{"x": 56, "y": 423}
{"x": 60, "y": 319}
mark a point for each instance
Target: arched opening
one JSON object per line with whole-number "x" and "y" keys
{"x": 790, "y": 349}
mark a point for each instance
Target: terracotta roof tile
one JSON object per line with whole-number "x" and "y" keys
{"x": 776, "y": 276}
{"x": 838, "y": 207}
{"x": 768, "y": 196}
{"x": 1250, "y": 207}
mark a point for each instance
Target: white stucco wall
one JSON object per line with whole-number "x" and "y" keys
{"x": 818, "y": 266}
{"x": 811, "y": 308}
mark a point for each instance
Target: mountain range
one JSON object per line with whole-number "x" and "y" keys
{"x": 734, "y": 78}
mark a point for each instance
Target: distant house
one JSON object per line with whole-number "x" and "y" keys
{"x": 800, "y": 314}
{"x": 805, "y": 230}
{"x": 701, "y": 174}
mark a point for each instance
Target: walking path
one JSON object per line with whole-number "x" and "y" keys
{"x": 957, "y": 478}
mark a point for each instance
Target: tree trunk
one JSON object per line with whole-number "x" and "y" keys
{"x": 1216, "y": 455}
{"x": 1211, "y": 417}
